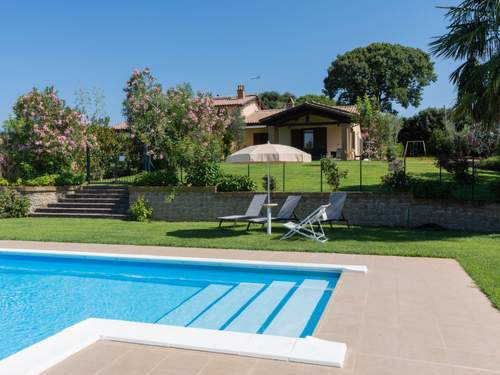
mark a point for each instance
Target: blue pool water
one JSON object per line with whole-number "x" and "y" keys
{"x": 41, "y": 295}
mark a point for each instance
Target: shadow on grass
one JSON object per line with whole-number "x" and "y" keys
{"x": 210, "y": 233}
{"x": 339, "y": 233}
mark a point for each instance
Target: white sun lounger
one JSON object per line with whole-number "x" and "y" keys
{"x": 309, "y": 227}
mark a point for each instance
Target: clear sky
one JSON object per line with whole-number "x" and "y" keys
{"x": 213, "y": 45}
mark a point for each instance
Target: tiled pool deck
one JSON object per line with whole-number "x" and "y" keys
{"x": 405, "y": 316}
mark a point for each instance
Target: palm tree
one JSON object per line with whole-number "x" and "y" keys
{"x": 474, "y": 39}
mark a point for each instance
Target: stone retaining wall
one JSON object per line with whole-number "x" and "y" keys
{"x": 40, "y": 196}
{"x": 369, "y": 209}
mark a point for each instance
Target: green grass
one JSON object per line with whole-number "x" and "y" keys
{"x": 479, "y": 254}
{"x": 306, "y": 177}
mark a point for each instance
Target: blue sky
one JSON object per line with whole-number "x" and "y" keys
{"x": 211, "y": 44}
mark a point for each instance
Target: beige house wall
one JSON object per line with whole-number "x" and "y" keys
{"x": 249, "y": 108}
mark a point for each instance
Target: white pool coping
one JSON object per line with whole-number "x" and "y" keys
{"x": 47, "y": 353}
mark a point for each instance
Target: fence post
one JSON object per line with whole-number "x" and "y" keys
{"x": 248, "y": 170}
{"x": 360, "y": 173}
{"x": 283, "y": 177}
{"x": 87, "y": 155}
{"x": 320, "y": 176}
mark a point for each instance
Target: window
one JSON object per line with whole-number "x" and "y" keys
{"x": 308, "y": 139}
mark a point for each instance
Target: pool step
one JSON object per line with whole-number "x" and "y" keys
{"x": 282, "y": 308}
{"x": 258, "y": 312}
{"x": 220, "y": 313}
{"x": 90, "y": 201}
{"x": 293, "y": 317}
{"x": 195, "y": 306}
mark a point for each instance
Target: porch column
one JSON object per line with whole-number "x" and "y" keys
{"x": 273, "y": 134}
{"x": 344, "y": 141}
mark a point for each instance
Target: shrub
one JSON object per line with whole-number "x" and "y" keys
{"x": 67, "y": 178}
{"x": 332, "y": 173}
{"x": 272, "y": 183}
{"x": 45, "y": 180}
{"x": 431, "y": 189}
{"x": 140, "y": 210}
{"x": 492, "y": 163}
{"x": 397, "y": 181}
{"x": 3, "y": 182}
{"x": 230, "y": 183}
{"x": 204, "y": 173}
{"x": 13, "y": 204}
{"x": 164, "y": 177}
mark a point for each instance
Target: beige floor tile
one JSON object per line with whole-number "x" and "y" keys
{"x": 229, "y": 365}
{"x": 137, "y": 361}
{"x": 91, "y": 359}
{"x": 182, "y": 362}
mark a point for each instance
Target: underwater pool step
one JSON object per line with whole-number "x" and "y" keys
{"x": 258, "y": 312}
{"x": 193, "y": 307}
{"x": 293, "y": 317}
{"x": 225, "y": 308}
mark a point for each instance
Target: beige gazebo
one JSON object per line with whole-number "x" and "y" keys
{"x": 270, "y": 154}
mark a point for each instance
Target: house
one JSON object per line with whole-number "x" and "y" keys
{"x": 319, "y": 129}
{"x": 315, "y": 128}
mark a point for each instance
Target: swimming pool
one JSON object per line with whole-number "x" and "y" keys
{"x": 41, "y": 294}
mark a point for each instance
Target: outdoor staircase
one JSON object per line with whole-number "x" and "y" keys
{"x": 93, "y": 201}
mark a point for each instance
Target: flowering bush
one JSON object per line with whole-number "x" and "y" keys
{"x": 44, "y": 136}
{"x": 176, "y": 124}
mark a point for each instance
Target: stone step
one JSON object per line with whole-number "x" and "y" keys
{"x": 96, "y": 195}
{"x": 103, "y": 191}
{"x": 80, "y": 215}
{"x": 98, "y": 204}
{"x": 81, "y": 210}
{"x": 70, "y": 199}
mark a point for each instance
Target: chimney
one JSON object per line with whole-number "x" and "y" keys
{"x": 290, "y": 103}
{"x": 240, "y": 91}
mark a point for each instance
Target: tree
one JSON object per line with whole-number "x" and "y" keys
{"x": 273, "y": 99}
{"x": 387, "y": 72}
{"x": 314, "y": 98}
{"x": 379, "y": 130}
{"x": 420, "y": 126}
{"x": 474, "y": 39}
{"x": 234, "y": 133}
{"x": 45, "y": 135}
{"x": 178, "y": 126}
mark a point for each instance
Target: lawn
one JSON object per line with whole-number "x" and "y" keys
{"x": 307, "y": 177}
{"x": 479, "y": 254}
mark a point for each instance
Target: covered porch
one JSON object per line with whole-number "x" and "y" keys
{"x": 316, "y": 129}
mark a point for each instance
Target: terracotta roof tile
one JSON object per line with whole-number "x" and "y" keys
{"x": 254, "y": 118}
{"x": 231, "y": 100}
